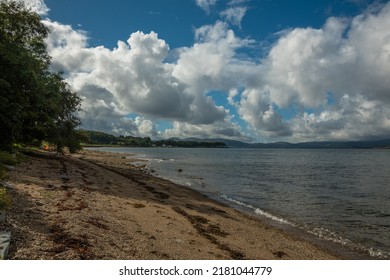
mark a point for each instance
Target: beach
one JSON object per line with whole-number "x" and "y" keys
{"x": 97, "y": 205}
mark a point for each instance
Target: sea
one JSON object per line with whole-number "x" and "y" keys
{"x": 337, "y": 197}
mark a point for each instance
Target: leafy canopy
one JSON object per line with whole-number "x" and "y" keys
{"x": 35, "y": 104}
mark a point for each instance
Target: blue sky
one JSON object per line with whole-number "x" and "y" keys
{"x": 252, "y": 70}
{"x": 174, "y": 20}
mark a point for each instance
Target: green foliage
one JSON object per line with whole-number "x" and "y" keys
{"x": 101, "y": 138}
{"x": 22, "y": 63}
{"x": 5, "y": 199}
{"x": 7, "y": 158}
{"x": 134, "y": 141}
{"x": 2, "y": 171}
{"x": 189, "y": 144}
{"x": 35, "y": 104}
{"x": 97, "y": 137}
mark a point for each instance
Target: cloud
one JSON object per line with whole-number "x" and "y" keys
{"x": 353, "y": 118}
{"x": 206, "y": 4}
{"x": 68, "y": 48}
{"x": 234, "y": 15}
{"x": 222, "y": 129}
{"x": 237, "y": 2}
{"x": 210, "y": 64}
{"x": 100, "y": 111}
{"x": 133, "y": 72}
{"x": 135, "y": 79}
{"x": 257, "y": 110}
{"x": 211, "y": 61}
{"x": 347, "y": 59}
{"x": 313, "y": 84}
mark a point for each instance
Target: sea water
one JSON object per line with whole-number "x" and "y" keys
{"x": 342, "y": 196}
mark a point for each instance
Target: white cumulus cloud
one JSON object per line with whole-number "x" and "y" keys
{"x": 206, "y": 5}
{"x": 348, "y": 60}
{"x": 234, "y": 15}
{"x": 313, "y": 84}
{"x": 133, "y": 78}
{"x": 222, "y": 129}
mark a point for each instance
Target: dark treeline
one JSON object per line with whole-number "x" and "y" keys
{"x": 189, "y": 144}
{"x": 101, "y": 138}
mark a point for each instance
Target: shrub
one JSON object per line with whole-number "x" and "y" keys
{"x": 7, "y": 158}
{"x": 5, "y": 199}
{"x": 2, "y": 171}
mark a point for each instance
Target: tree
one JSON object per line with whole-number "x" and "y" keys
{"x": 35, "y": 104}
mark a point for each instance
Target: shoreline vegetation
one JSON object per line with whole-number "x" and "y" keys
{"x": 100, "y": 139}
{"x": 95, "y": 205}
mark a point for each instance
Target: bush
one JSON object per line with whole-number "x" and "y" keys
{"x": 35, "y": 103}
{"x": 2, "y": 171}
{"x": 5, "y": 199}
{"x": 7, "y": 158}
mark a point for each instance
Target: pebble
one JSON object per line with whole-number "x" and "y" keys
{"x": 6, "y": 185}
{"x": 65, "y": 177}
{"x": 9, "y": 167}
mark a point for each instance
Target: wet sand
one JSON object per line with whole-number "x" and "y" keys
{"x": 95, "y": 205}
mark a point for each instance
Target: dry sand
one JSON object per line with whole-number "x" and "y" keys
{"x": 94, "y": 205}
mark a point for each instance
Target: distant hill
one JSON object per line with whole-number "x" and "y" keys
{"x": 383, "y": 144}
{"x": 189, "y": 143}
{"x": 228, "y": 142}
{"x": 97, "y": 138}
{"x": 101, "y": 138}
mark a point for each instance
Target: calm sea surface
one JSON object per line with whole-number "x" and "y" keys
{"x": 337, "y": 195}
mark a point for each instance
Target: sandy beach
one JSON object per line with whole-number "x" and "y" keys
{"x": 95, "y": 205}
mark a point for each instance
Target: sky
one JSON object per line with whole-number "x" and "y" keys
{"x": 249, "y": 70}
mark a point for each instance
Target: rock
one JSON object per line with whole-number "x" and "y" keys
{"x": 65, "y": 177}
{"x": 6, "y": 185}
{"x": 5, "y": 239}
{"x": 9, "y": 167}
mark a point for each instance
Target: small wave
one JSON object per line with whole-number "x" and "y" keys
{"x": 321, "y": 233}
{"x": 258, "y": 211}
{"x": 137, "y": 163}
{"x": 194, "y": 177}
{"x": 330, "y": 236}
{"x": 158, "y": 160}
{"x": 326, "y": 234}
